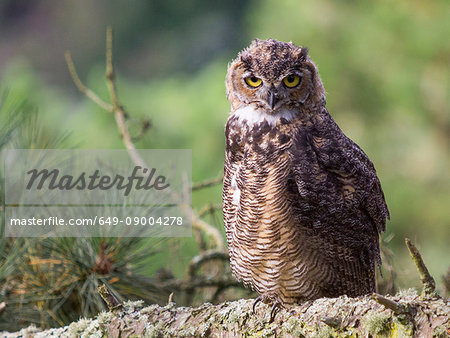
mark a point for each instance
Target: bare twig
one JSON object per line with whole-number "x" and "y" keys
{"x": 446, "y": 280}
{"x": 201, "y": 282}
{"x": 390, "y": 304}
{"x": 208, "y": 183}
{"x": 428, "y": 283}
{"x": 217, "y": 293}
{"x": 204, "y": 257}
{"x": 209, "y": 208}
{"x": 109, "y": 298}
{"x": 110, "y": 75}
{"x": 332, "y": 321}
{"x": 193, "y": 282}
{"x": 211, "y": 231}
{"x": 120, "y": 116}
{"x": 82, "y": 88}
{"x": 145, "y": 126}
{"x": 2, "y": 307}
{"x": 170, "y": 298}
{"x": 118, "y": 110}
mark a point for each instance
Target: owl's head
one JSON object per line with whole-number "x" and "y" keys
{"x": 271, "y": 76}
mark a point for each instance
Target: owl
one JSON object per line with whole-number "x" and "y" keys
{"x": 303, "y": 206}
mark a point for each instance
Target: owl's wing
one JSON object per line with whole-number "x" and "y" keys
{"x": 335, "y": 177}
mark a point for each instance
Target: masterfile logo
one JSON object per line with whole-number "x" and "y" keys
{"x": 53, "y": 180}
{"x": 97, "y": 193}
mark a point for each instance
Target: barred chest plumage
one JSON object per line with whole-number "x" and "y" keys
{"x": 265, "y": 239}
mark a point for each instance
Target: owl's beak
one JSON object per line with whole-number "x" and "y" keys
{"x": 273, "y": 98}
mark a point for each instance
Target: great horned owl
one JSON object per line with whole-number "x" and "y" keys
{"x": 302, "y": 203}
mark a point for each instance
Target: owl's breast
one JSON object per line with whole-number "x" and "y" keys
{"x": 261, "y": 227}
{"x": 257, "y": 162}
{"x": 257, "y": 167}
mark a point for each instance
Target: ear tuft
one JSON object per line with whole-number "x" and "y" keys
{"x": 303, "y": 53}
{"x": 245, "y": 58}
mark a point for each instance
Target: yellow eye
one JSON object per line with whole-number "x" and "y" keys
{"x": 291, "y": 81}
{"x": 253, "y": 81}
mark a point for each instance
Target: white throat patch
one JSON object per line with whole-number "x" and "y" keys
{"x": 252, "y": 116}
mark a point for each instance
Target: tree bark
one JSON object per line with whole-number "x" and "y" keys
{"x": 404, "y": 315}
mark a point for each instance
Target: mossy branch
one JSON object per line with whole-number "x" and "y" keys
{"x": 410, "y": 316}
{"x": 325, "y": 317}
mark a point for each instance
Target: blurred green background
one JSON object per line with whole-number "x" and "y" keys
{"x": 384, "y": 64}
